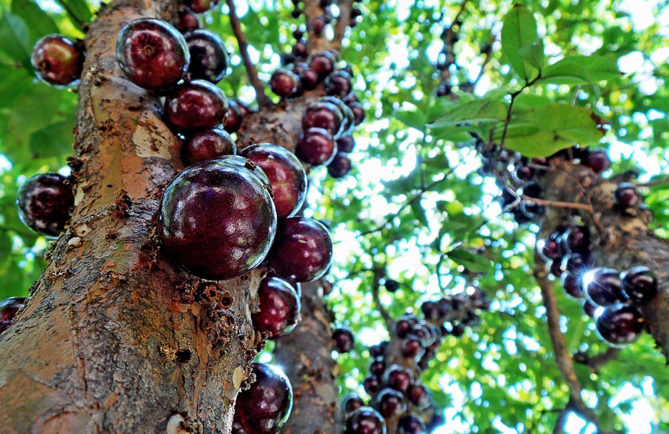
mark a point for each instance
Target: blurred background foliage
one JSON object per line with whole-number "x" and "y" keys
{"x": 414, "y": 203}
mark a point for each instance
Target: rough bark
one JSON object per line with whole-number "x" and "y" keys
{"x": 116, "y": 338}
{"x": 305, "y": 356}
{"x": 619, "y": 240}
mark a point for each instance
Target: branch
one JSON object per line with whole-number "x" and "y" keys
{"x": 514, "y": 95}
{"x": 235, "y": 23}
{"x": 559, "y": 204}
{"x": 449, "y": 39}
{"x": 343, "y": 22}
{"x": 315, "y": 42}
{"x": 598, "y": 360}
{"x": 655, "y": 182}
{"x": 562, "y": 357}
{"x": 378, "y": 274}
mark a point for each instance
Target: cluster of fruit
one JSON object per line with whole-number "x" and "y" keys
{"x": 611, "y": 297}
{"x": 318, "y": 24}
{"x": 395, "y": 390}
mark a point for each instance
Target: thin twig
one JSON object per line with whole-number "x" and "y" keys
{"x": 486, "y": 60}
{"x": 563, "y": 359}
{"x": 379, "y": 272}
{"x": 343, "y": 21}
{"x": 514, "y": 95}
{"x": 449, "y": 39}
{"x": 235, "y": 23}
{"x": 558, "y": 204}
{"x": 598, "y": 360}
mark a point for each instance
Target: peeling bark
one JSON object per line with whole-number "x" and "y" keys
{"x": 116, "y": 338}
{"x": 618, "y": 240}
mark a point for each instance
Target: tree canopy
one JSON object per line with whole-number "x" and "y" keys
{"x": 419, "y": 204}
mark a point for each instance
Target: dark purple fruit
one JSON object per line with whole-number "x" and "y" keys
{"x": 203, "y": 232}
{"x": 284, "y": 83}
{"x": 317, "y": 25}
{"x": 308, "y": 77}
{"x": 200, "y": 6}
{"x": 358, "y": 112}
{"x": 326, "y": 286}
{"x": 640, "y": 284}
{"x": 597, "y": 160}
{"x": 378, "y": 350}
{"x": 410, "y": 424}
{"x": 316, "y": 147}
{"x": 208, "y": 56}
{"x": 575, "y": 239}
{"x": 418, "y": 395}
{"x": 620, "y": 324}
{"x": 556, "y": 267}
{"x": 390, "y": 403}
{"x": 589, "y": 308}
{"x": 279, "y": 307}
{"x": 321, "y": 62}
{"x": 365, "y": 420}
{"x": 571, "y": 282}
{"x": 209, "y": 144}
{"x": 575, "y": 263}
{"x": 266, "y": 405}
{"x": 458, "y": 330}
{"x": 524, "y": 173}
{"x": 340, "y": 165}
{"x": 412, "y": 348}
{"x": 345, "y": 143}
{"x": 602, "y": 286}
{"x": 322, "y": 115}
{"x": 187, "y": 21}
{"x": 403, "y": 327}
{"x": 351, "y": 403}
{"x": 152, "y": 53}
{"x": 343, "y": 339}
{"x": 57, "y": 60}
{"x": 286, "y": 175}
{"x": 338, "y": 84}
{"x": 372, "y": 384}
{"x": 392, "y": 285}
{"x": 398, "y": 378}
{"x": 235, "y": 116}
{"x": 45, "y": 202}
{"x": 548, "y": 249}
{"x": 626, "y": 195}
{"x": 299, "y": 49}
{"x": 8, "y": 310}
{"x": 302, "y": 250}
{"x": 197, "y": 104}
{"x": 430, "y": 310}
{"x": 377, "y": 367}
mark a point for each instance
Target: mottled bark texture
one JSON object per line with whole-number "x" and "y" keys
{"x": 116, "y": 338}
{"x": 304, "y": 354}
{"x": 618, "y": 239}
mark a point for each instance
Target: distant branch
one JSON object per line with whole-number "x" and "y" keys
{"x": 563, "y": 359}
{"x": 343, "y": 21}
{"x": 655, "y": 182}
{"x": 558, "y": 204}
{"x": 598, "y": 360}
{"x": 261, "y": 97}
{"x": 378, "y": 274}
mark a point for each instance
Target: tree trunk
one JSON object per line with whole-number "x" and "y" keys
{"x": 115, "y": 337}
{"x": 618, "y": 240}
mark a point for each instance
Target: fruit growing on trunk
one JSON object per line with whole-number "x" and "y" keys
{"x": 639, "y": 284}
{"x": 208, "y": 56}
{"x": 152, "y": 54}
{"x": 9, "y": 309}
{"x": 45, "y": 202}
{"x": 620, "y": 324}
{"x": 196, "y": 105}
{"x": 286, "y": 175}
{"x": 343, "y": 339}
{"x": 57, "y": 60}
{"x": 284, "y": 83}
{"x": 202, "y": 232}
{"x": 265, "y": 406}
{"x": 339, "y": 166}
{"x": 279, "y": 307}
{"x": 209, "y": 144}
{"x": 316, "y": 147}
{"x": 365, "y": 420}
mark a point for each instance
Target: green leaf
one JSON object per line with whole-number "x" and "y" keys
{"x": 546, "y": 130}
{"x": 582, "y": 69}
{"x": 419, "y": 213}
{"x": 40, "y": 22}
{"x": 78, "y": 11}
{"x": 15, "y": 38}
{"x": 475, "y": 263}
{"x": 52, "y": 140}
{"x": 521, "y": 46}
{"x": 480, "y": 110}
{"x": 412, "y": 118}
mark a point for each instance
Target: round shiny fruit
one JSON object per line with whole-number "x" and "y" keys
{"x": 152, "y": 54}
{"x": 196, "y": 105}
{"x": 316, "y": 147}
{"x": 340, "y": 165}
{"x": 278, "y": 307}
{"x": 639, "y": 284}
{"x": 217, "y": 218}
{"x": 284, "y": 83}
{"x": 57, "y": 60}
{"x": 343, "y": 339}
{"x": 286, "y": 175}
{"x": 620, "y": 324}
{"x": 9, "y": 309}
{"x": 602, "y": 286}
{"x": 45, "y": 202}
{"x": 265, "y": 407}
{"x": 365, "y": 420}
{"x": 208, "y": 56}
{"x": 209, "y": 144}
